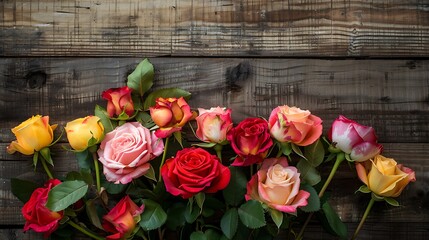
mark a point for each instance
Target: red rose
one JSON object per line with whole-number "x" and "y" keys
{"x": 251, "y": 140}
{"x": 121, "y": 219}
{"x": 192, "y": 171}
{"x": 37, "y": 216}
{"x": 119, "y": 100}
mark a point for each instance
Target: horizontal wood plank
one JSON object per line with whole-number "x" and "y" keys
{"x": 214, "y": 28}
{"x": 392, "y": 96}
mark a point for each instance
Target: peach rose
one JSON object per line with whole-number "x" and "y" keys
{"x": 170, "y": 114}
{"x": 32, "y": 135}
{"x": 126, "y": 152}
{"x": 291, "y": 124}
{"x": 213, "y": 124}
{"x": 277, "y": 185}
{"x": 384, "y": 176}
{"x": 119, "y": 100}
{"x": 81, "y": 130}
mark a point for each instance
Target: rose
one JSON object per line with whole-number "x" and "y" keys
{"x": 126, "y": 151}
{"x": 170, "y": 114}
{"x": 37, "y": 216}
{"x": 80, "y": 131}
{"x": 384, "y": 176}
{"x": 122, "y": 219}
{"x": 32, "y": 135}
{"x": 194, "y": 170}
{"x": 119, "y": 100}
{"x": 291, "y": 124}
{"x": 250, "y": 140}
{"x": 213, "y": 124}
{"x": 277, "y": 185}
{"x": 352, "y": 138}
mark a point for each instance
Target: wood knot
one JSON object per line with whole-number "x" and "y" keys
{"x": 35, "y": 79}
{"x": 237, "y": 74}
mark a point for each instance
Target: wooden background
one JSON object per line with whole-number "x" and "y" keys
{"x": 367, "y": 61}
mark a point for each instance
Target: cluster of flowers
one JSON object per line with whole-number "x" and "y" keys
{"x": 195, "y": 188}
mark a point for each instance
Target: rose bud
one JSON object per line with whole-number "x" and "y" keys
{"x": 170, "y": 114}
{"x": 359, "y": 141}
{"x": 121, "y": 220}
{"x": 119, "y": 100}
{"x": 81, "y": 130}
{"x": 126, "y": 152}
{"x": 250, "y": 140}
{"x": 291, "y": 124}
{"x": 213, "y": 124}
{"x": 384, "y": 176}
{"x": 194, "y": 170}
{"x": 32, "y": 135}
{"x": 277, "y": 185}
{"x": 37, "y": 216}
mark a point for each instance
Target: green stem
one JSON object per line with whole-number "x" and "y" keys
{"x": 164, "y": 154}
{"x": 97, "y": 171}
{"x": 45, "y": 166}
{"x": 338, "y": 161}
{"x": 365, "y": 215}
{"x": 84, "y": 230}
{"x": 218, "y": 149}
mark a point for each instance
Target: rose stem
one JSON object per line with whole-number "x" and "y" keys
{"x": 163, "y": 157}
{"x": 84, "y": 231}
{"x": 365, "y": 215}
{"x": 338, "y": 161}
{"x": 46, "y": 168}
{"x": 97, "y": 171}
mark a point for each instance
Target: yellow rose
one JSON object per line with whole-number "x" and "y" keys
{"x": 384, "y": 176}
{"x": 81, "y": 130}
{"x": 32, "y": 135}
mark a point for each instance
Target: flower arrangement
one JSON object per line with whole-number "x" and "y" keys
{"x": 139, "y": 179}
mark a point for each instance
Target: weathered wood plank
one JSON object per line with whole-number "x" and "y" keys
{"x": 214, "y": 28}
{"x": 350, "y": 206}
{"x": 392, "y": 96}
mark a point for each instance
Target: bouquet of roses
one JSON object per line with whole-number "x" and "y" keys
{"x": 139, "y": 177}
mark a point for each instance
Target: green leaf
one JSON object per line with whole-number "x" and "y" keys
{"x": 315, "y": 153}
{"x": 212, "y": 234}
{"x": 236, "y": 189}
{"x": 108, "y": 124}
{"x": 309, "y": 174}
{"x": 91, "y": 211}
{"x": 198, "y": 236}
{"x": 113, "y": 188}
{"x": 35, "y": 159}
{"x": 204, "y": 145}
{"x": 285, "y": 148}
{"x": 313, "y": 201}
{"x": 150, "y": 174}
{"x": 84, "y": 159}
{"x": 165, "y": 93}
{"x": 200, "y": 198}
{"x": 192, "y": 212}
{"x": 145, "y": 119}
{"x": 277, "y": 217}
{"x": 22, "y": 189}
{"x": 229, "y": 223}
{"x": 363, "y": 189}
{"x": 65, "y": 194}
{"x": 252, "y": 214}
{"x": 331, "y": 222}
{"x": 153, "y": 215}
{"x": 141, "y": 79}
{"x": 176, "y": 216}
{"x": 391, "y": 201}
{"x": 298, "y": 151}
{"x": 46, "y": 155}
{"x": 178, "y": 137}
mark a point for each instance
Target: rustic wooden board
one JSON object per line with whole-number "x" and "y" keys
{"x": 390, "y": 95}
{"x": 214, "y": 28}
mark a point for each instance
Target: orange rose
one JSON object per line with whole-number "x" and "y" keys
{"x": 384, "y": 176}
{"x": 32, "y": 135}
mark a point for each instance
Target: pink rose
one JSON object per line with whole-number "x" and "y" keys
{"x": 291, "y": 124}
{"x": 194, "y": 170}
{"x": 213, "y": 124}
{"x": 119, "y": 100}
{"x": 352, "y": 138}
{"x": 250, "y": 140}
{"x": 277, "y": 185}
{"x": 126, "y": 151}
{"x": 170, "y": 114}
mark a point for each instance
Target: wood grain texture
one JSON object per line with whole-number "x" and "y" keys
{"x": 214, "y": 28}
{"x": 390, "y": 95}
